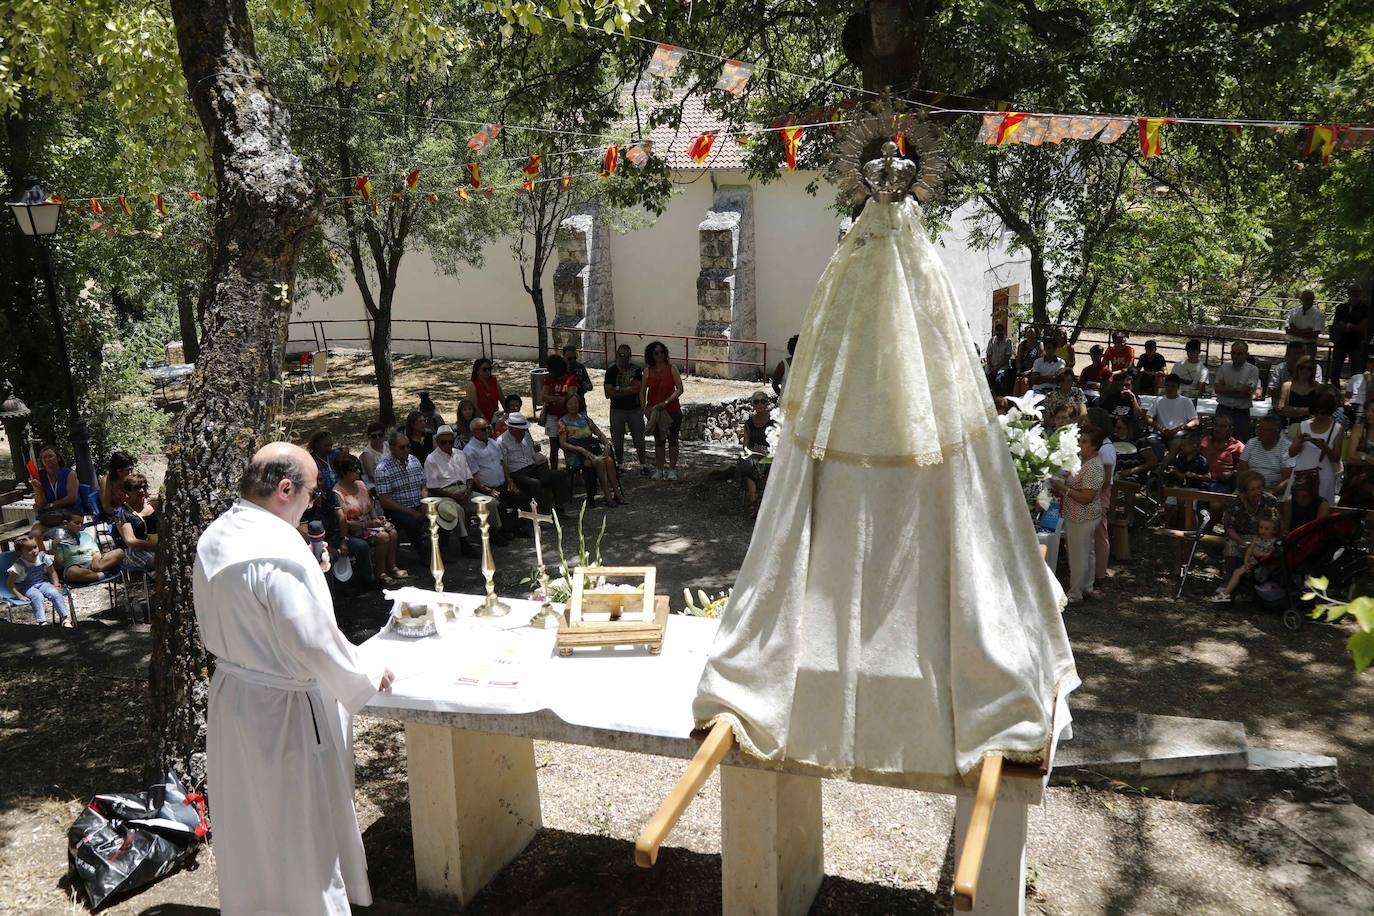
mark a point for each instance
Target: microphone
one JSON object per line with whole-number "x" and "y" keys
{"x": 316, "y": 535}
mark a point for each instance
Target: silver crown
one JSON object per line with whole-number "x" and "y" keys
{"x": 867, "y": 162}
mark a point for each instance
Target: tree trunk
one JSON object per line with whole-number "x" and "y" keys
{"x": 186, "y": 316}
{"x": 381, "y": 352}
{"x": 1040, "y": 309}
{"x": 265, "y": 206}
{"x": 541, "y": 317}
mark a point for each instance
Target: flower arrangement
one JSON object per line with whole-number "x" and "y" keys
{"x": 1038, "y": 456}
{"x": 709, "y": 606}
{"x": 560, "y": 587}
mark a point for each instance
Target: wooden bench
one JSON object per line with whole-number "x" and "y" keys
{"x": 1188, "y": 539}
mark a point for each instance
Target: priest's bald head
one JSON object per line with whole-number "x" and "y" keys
{"x": 280, "y": 478}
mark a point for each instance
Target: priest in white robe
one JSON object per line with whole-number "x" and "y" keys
{"x": 285, "y": 686}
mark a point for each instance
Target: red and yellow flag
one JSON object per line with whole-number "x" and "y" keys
{"x": 744, "y": 139}
{"x": 124, "y": 205}
{"x": 412, "y": 179}
{"x": 1321, "y": 138}
{"x": 610, "y": 161}
{"x": 463, "y": 194}
{"x": 527, "y": 185}
{"x": 701, "y": 146}
{"x": 95, "y": 206}
{"x": 195, "y": 196}
{"x": 1006, "y": 129}
{"x": 531, "y": 168}
{"x": 791, "y": 139}
{"x": 474, "y": 170}
{"x": 1151, "y": 141}
{"x": 395, "y": 196}
{"x": 899, "y": 134}
{"x": 567, "y": 181}
{"x": 159, "y": 203}
{"x": 432, "y": 197}
{"x": 363, "y": 185}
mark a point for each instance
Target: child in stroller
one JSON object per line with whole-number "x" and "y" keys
{"x": 1261, "y": 559}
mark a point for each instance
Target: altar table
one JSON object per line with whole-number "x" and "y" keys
{"x": 476, "y": 696}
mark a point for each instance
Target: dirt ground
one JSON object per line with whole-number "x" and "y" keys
{"x": 72, "y": 708}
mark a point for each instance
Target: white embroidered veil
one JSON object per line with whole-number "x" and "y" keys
{"x": 893, "y": 613}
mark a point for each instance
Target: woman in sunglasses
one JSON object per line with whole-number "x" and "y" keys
{"x": 484, "y": 390}
{"x": 751, "y": 470}
{"x": 136, "y": 525}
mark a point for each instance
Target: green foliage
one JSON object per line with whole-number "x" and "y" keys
{"x": 1361, "y": 642}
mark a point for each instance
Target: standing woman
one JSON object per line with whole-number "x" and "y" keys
{"x": 1358, "y": 489}
{"x": 321, "y": 448}
{"x": 751, "y": 470}
{"x": 552, "y": 400}
{"x": 57, "y": 487}
{"x": 1317, "y": 446}
{"x": 587, "y": 446}
{"x": 1299, "y": 393}
{"x": 484, "y": 390}
{"x": 112, "y": 484}
{"x": 659, "y": 399}
{"x": 1082, "y": 509}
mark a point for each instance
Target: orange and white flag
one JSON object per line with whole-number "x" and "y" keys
{"x": 484, "y": 137}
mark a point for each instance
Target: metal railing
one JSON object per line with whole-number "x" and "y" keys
{"x": 326, "y": 334}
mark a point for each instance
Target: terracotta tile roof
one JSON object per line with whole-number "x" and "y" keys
{"x": 671, "y": 143}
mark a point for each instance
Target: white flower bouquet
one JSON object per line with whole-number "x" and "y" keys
{"x": 1038, "y": 455}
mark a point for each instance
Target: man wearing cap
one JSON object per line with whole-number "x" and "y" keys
{"x": 447, "y": 474}
{"x": 530, "y": 470}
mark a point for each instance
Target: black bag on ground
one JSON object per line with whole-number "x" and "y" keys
{"x": 124, "y": 841}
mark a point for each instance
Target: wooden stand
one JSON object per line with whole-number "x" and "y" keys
{"x": 617, "y": 628}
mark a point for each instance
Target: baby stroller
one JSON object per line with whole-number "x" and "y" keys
{"x": 1328, "y": 547}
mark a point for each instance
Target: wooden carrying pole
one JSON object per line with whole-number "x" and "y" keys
{"x": 717, "y": 744}
{"x": 976, "y": 839}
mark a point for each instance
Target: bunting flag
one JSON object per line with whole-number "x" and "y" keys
{"x": 532, "y": 167}
{"x": 1151, "y": 142}
{"x": 463, "y": 194}
{"x": 159, "y": 203}
{"x": 432, "y": 197}
{"x": 610, "y": 161}
{"x": 195, "y": 196}
{"x": 412, "y": 179}
{"x": 638, "y": 155}
{"x": 55, "y": 199}
{"x": 527, "y": 185}
{"x": 701, "y": 146}
{"x": 744, "y": 139}
{"x": 791, "y": 139}
{"x": 1235, "y": 129}
{"x": 1321, "y": 138}
{"x": 363, "y": 185}
{"x": 836, "y": 116}
{"x": 484, "y": 137}
{"x": 734, "y": 76}
{"x": 1354, "y": 137}
{"x": 95, "y": 206}
{"x": 899, "y": 138}
{"x": 374, "y": 206}
{"x": 663, "y": 65}
{"x": 124, "y": 205}
{"x": 567, "y": 181}
{"x": 474, "y": 170}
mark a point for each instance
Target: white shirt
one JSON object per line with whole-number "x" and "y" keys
{"x": 446, "y": 470}
{"x": 1247, "y": 376}
{"x": 1172, "y": 412}
{"x": 1311, "y": 320}
{"x": 999, "y": 352}
{"x": 1270, "y": 463}
{"x": 1193, "y": 377}
{"x": 518, "y": 455}
{"x": 286, "y": 684}
{"x": 485, "y": 461}
{"x": 1047, "y": 369}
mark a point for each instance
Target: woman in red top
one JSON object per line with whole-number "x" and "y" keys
{"x": 659, "y": 399}
{"x": 553, "y": 398}
{"x": 484, "y": 390}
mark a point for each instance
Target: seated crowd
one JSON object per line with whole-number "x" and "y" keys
{"x": 1311, "y": 452}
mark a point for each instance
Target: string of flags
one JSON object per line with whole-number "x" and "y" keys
{"x": 1011, "y": 127}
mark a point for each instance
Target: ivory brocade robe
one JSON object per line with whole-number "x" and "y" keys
{"x": 285, "y": 686}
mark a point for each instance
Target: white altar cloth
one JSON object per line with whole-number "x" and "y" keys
{"x": 502, "y": 667}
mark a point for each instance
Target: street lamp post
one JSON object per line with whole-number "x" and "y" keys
{"x": 36, "y": 212}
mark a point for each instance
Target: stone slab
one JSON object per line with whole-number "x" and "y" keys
{"x": 772, "y": 848}
{"x": 1132, "y": 745}
{"x": 1343, "y": 832}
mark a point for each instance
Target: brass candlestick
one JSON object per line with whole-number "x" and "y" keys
{"x": 493, "y": 606}
{"x": 436, "y": 560}
{"x": 546, "y": 618}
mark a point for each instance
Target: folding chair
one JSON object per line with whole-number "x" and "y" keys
{"x": 319, "y": 370}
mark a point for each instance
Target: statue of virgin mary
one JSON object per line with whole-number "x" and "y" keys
{"x": 893, "y": 613}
